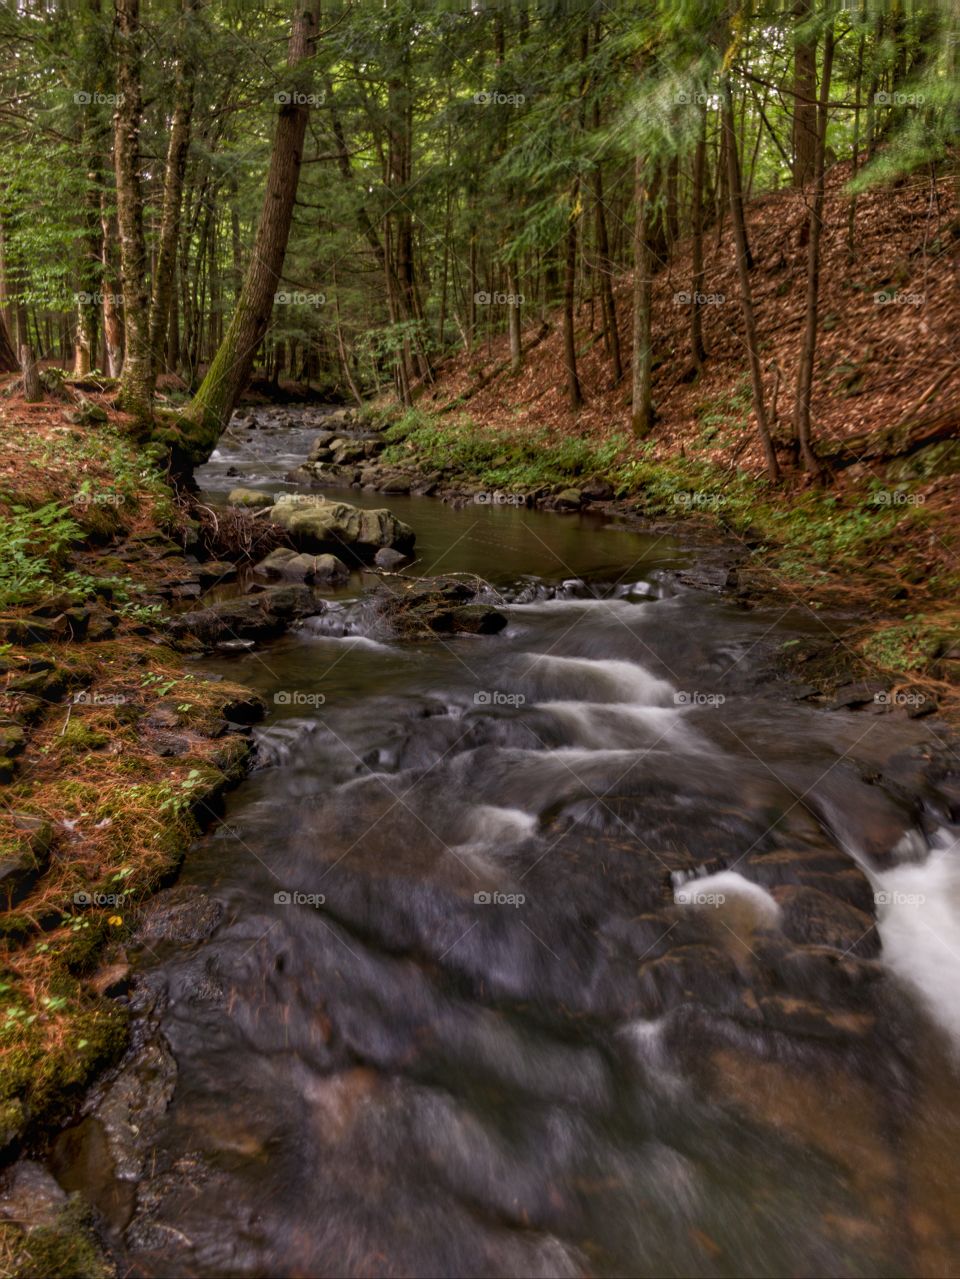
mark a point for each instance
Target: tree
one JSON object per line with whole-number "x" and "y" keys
{"x": 801, "y": 411}
{"x": 804, "y": 94}
{"x": 743, "y": 273}
{"x": 214, "y": 401}
{"x": 172, "y": 194}
{"x": 137, "y": 379}
{"x": 641, "y": 418}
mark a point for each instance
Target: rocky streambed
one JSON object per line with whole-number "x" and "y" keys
{"x": 559, "y": 930}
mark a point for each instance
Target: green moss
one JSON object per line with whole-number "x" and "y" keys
{"x": 67, "y": 1249}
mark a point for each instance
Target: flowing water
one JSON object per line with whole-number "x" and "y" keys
{"x": 547, "y": 953}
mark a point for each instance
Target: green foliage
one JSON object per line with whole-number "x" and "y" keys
{"x": 31, "y": 544}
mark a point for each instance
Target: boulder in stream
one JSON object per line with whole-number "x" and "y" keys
{"x": 321, "y": 526}
{"x": 252, "y": 498}
{"x": 295, "y": 566}
{"x": 257, "y": 616}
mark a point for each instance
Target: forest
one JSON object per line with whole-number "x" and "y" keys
{"x": 479, "y": 641}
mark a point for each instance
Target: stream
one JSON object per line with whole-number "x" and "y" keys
{"x": 587, "y": 948}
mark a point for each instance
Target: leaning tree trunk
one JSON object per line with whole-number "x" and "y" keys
{"x": 743, "y": 272}
{"x": 801, "y": 408}
{"x": 230, "y": 369}
{"x": 136, "y": 381}
{"x": 177, "y": 147}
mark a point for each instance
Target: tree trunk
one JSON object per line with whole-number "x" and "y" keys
{"x": 230, "y": 369}
{"x": 177, "y": 147}
{"x": 801, "y": 409}
{"x": 697, "y": 349}
{"x": 805, "y": 96}
{"x": 605, "y": 267}
{"x": 641, "y": 418}
{"x": 513, "y": 318}
{"x": 574, "y": 393}
{"x": 743, "y": 272}
{"x": 8, "y": 359}
{"x": 136, "y": 381}
{"x": 31, "y": 376}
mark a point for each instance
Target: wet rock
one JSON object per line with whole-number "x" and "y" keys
{"x": 597, "y": 491}
{"x": 244, "y": 710}
{"x": 32, "y": 1198}
{"x": 809, "y": 916}
{"x": 295, "y": 566}
{"x": 323, "y": 526}
{"x": 804, "y": 1018}
{"x": 389, "y": 559}
{"x": 438, "y": 606}
{"x": 347, "y": 451}
{"x": 850, "y": 696}
{"x": 568, "y": 500}
{"x": 257, "y": 616}
{"x": 705, "y": 578}
{"x": 320, "y": 450}
{"x": 251, "y": 498}
{"x": 395, "y": 484}
{"x": 181, "y": 914}
{"x": 477, "y": 619}
{"x": 216, "y": 571}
